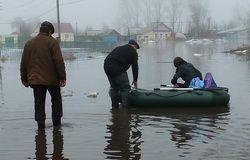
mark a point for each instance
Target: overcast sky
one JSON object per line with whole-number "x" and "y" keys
{"x": 94, "y": 13}
{"x": 224, "y": 10}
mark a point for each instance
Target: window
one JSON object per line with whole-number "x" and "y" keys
{"x": 66, "y": 36}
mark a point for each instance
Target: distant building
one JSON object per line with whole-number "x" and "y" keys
{"x": 10, "y": 41}
{"x": 240, "y": 35}
{"x": 154, "y": 32}
{"x": 92, "y": 32}
{"x": 110, "y": 36}
{"x": 133, "y": 32}
{"x": 209, "y": 34}
{"x": 66, "y": 29}
{"x": 106, "y": 36}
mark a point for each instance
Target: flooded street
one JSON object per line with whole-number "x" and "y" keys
{"x": 92, "y": 130}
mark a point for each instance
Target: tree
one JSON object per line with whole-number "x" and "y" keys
{"x": 88, "y": 28}
{"x": 25, "y": 28}
{"x": 147, "y": 11}
{"x": 130, "y": 13}
{"x": 158, "y": 8}
{"x": 174, "y": 13}
{"x": 199, "y": 17}
{"x": 135, "y": 8}
{"x": 105, "y": 27}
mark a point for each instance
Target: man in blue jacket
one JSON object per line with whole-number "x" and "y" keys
{"x": 116, "y": 65}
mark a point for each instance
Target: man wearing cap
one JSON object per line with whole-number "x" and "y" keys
{"x": 42, "y": 68}
{"x": 116, "y": 65}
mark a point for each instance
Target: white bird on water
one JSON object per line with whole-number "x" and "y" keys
{"x": 92, "y": 94}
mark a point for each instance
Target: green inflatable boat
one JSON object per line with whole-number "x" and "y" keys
{"x": 167, "y": 97}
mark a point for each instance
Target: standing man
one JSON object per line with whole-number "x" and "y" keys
{"x": 116, "y": 65}
{"x": 42, "y": 68}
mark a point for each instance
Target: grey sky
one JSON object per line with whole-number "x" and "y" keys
{"x": 94, "y": 13}
{"x": 224, "y": 10}
{"x": 85, "y": 12}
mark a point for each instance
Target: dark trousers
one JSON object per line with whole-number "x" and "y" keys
{"x": 39, "y": 92}
{"x": 119, "y": 83}
{"x": 119, "y": 88}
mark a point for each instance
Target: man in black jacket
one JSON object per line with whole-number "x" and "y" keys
{"x": 116, "y": 65}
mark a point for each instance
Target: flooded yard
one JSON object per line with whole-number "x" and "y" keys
{"x": 92, "y": 130}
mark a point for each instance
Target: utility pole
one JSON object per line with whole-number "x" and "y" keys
{"x": 58, "y": 21}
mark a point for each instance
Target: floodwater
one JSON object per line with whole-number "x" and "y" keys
{"x": 91, "y": 130}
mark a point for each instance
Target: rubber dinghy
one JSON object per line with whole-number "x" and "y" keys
{"x": 167, "y": 97}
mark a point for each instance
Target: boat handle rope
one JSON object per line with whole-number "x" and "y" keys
{"x": 150, "y": 93}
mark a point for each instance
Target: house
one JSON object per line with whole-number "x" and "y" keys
{"x": 110, "y": 36}
{"x": 98, "y": 39}
{"x": 234, "y": 33}
{"x": 106, "y": 36}
{"x": 240, "y": 35}
{"x": 92, "y": 32}
{"x": 66, "y": 29}
{"x": 154, "y": 32}
{"x": 10, "y": 41}
{"x": 133, "y": 32}
{"x": 13, "y": 40}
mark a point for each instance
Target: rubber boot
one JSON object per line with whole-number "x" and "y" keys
{"x": 41, "y": 124}
{"x": 57, "y": 122}
{"x": 114, "y": 97}
{"x": 124, "y": 97}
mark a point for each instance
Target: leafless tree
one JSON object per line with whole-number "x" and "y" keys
{"x": 147, "y": 11}
{"x": 124, "y": 20}
{"x": 199, "y": 16}
{"x": 133, "y": 15}
{"x": 158, "y": 10}
{"x": 135, "y": 8}
{"x": 247, "y": 23}
{"x": 239, "y": 14}
{"x": 105, "y": 27}
{"x": 25, "y": 28}
{"x": 88, "y": 28}
{"x": 174, "y": 12}
{"x": 130, "y": 13}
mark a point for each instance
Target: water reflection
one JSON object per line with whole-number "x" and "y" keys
{"x": 124, "y": 137}
{"x": 42, "y": 146}
{"x": 186, "y": 126}
{"x": 189, "y": 127}
{"x": 1, "y": 87}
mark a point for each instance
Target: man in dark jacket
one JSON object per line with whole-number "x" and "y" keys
{"x": 116, "y": 65}
{"x": 186, "y": 71}
{"x": 42, "y": 68}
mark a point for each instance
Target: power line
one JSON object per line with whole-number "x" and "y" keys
{"x": 29, "y": 5}
{"x": 53, "y": 8}
{"x": 25, "y": 4}
{"x": 43, "y": 13}
{"x": 74, "y": 2}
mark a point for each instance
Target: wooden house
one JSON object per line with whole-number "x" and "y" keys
{"x": 110, "y": 36}
{"x": 156, "y": 31}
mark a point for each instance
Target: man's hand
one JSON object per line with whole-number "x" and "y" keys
{"x": 176, "y": 86}
{"x": 135, "y": 84}
{"x": 62, "y": 83}
{"x": 25, "y": 84}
